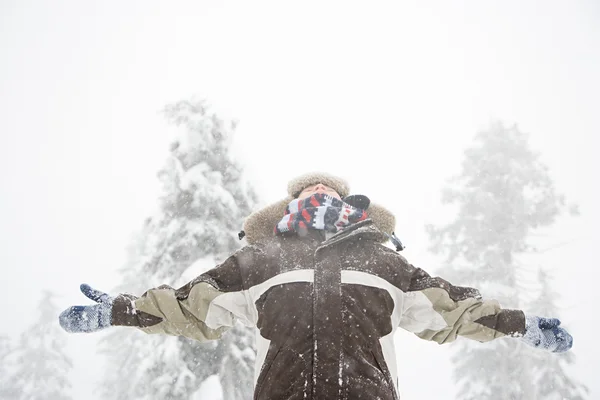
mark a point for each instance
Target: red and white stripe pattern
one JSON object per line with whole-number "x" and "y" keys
{"x": 319, "y": 211}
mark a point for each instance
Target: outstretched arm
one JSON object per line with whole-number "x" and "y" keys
{"x": 203, "y": 309}
{"x": 436, "y": 310}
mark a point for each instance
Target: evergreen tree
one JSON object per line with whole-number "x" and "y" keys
{"x": 40, "y": 365}
{"x": 7, "y": 390}
{"x": 129, "y": 352}
{"x": 503, "y": 194}
{"x": 141, "y": 366}
{"x": 203, "y": 203}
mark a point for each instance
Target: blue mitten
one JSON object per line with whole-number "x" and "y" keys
{"x": 88, "y": 318}
{"x": 545, "y": 333}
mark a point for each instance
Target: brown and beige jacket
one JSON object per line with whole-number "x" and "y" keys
{"x": 325, "y": 312}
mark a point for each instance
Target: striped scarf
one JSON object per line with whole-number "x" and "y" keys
{"x": 319, "y": 211}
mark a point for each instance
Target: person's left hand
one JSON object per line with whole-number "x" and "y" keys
{"x": 88, "y": 318}
{"x": 545, "y": 333}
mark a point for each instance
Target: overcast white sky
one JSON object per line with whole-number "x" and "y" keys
{"x": 387, "y": 95}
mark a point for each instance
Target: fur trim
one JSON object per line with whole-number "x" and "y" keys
{"x": 298, "y": 184}
{"x": 260, "y": 225}
{"x": 382, "y": 218}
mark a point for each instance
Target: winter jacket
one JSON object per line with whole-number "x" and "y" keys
{"x": 325, "y": 312}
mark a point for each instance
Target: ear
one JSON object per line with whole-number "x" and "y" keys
{"x": 358, "y": 200}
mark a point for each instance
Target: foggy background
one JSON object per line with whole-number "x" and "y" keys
{"x": 386, "y": 95}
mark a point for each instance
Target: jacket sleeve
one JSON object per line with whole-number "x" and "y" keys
{"x": 203, "y": 309}
{"x": 436, "y": 310}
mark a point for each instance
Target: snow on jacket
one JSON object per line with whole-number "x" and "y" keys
{"x": 325, "y": 312}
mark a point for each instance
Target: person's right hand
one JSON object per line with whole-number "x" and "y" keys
{"x": 88, "y": 318}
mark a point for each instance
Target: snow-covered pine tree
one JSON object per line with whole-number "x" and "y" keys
{"x": 6, "y": 385}
{"x": 204, "y": 200}
{"x": 551, "y": 370}
{"x": 503, "y": 193}
{"x": 40, "y": 364}
{"x": 129, "y": 352}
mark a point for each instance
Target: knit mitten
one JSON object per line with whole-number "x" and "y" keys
{"x": 545, "y": 333}
{"x": 88, "y": 318}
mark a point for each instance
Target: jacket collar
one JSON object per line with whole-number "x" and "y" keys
{"x": 365, "y": 229}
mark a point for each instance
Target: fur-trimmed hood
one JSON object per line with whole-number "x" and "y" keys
{"x": 259, "y": 225}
